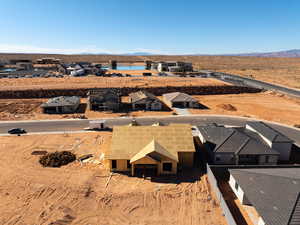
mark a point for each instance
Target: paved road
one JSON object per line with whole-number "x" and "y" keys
{"x": 244, "y": 81}
{"x": 77, "y": 125}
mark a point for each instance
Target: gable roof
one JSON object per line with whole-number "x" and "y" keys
{"x": 62, "y": 101}
{"x": 154, "y": 150}
{"x": 127, "y": 141}
{"x": 179, "y": 97}
{"x": 268, "y": 132}
{"x": 262, "y": 188}
{"x": 231, "y": 140}
{"x": 140, "y": 95}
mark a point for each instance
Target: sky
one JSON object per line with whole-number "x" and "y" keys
{"x": 154, "y": 26}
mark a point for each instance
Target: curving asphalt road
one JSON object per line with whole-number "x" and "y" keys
{"x": 78, "y": 125}
{"x": 244, "y": 81}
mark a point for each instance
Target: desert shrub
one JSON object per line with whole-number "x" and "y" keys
{"x": 57, "y": 159}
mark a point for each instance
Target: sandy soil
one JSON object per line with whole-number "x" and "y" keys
{"x": 98, "y": 82}
{"x": 268, "y": 106}
{"x": 75, "y": 194}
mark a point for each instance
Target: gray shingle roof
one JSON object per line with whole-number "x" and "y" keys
{"x": 62, "y": 101}
{"x": 231, "y": 140}
{"x": 179, "y": 97}
{"x": 274, "y": 192}
{"x": 268, "y": 132}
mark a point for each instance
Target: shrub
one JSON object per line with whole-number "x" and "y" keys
{"x": 57, "y": 159}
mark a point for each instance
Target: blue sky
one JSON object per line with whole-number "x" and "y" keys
{"x": 156, "y": 26}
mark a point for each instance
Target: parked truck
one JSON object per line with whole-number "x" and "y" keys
{"x": 96, "y": 125}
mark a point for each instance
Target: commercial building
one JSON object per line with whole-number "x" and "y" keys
{"x": 151, "y": 150}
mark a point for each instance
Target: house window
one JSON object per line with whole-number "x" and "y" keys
{"x": 236, "y": 186}
{"x": 128, "y": 164}
{"x": 267, "y": 158}
{"x": 218, "y": 158}
{"x": 167, "y": 166}
{"x": 114, "y": 164}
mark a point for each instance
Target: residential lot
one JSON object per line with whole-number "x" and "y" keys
{"x": 84, "y": 194}
{"x": 258, "y": 105}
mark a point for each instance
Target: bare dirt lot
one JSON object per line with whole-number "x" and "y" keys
{"x": 103, "y": 82}
{"x": 80, "y": 194}
{"x": 267, "y": 105}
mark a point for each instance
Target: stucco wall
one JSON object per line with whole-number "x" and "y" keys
{"x": 284, "y": 149}
{"x": 238, "y": 192}
{"x": 225, "y": 158}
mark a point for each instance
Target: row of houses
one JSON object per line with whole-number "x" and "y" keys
{"x": 227, "y": 146}
{"x": 110, "y": 100}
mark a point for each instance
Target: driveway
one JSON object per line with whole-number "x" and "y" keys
{"x": 181, "y": 111}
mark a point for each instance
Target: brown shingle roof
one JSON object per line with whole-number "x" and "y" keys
{"x": 179, "y": 97}
{"x": 139, "y": 95}
{"x": 128, "y": 141}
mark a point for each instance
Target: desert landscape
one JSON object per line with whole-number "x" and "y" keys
{"x": 282, "y": 71}
{"x": 88, "y": 194}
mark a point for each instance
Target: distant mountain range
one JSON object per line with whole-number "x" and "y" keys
{"x": 294, "y": 53}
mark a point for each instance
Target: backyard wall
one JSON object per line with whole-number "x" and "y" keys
{"x": 194, "y": 90}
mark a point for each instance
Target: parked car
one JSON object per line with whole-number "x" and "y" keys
{"x": 17, "y": 131}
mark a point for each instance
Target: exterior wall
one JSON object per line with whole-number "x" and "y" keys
{"x": 156, "y": 105}
{"x": 272, "y": 160}
{"x": 284, "y": 149}
{"x": 186, "y": 159}
{"x": 238, "y": 192}
{"x": 225, "y": 158}
{"x": 121, "y": 165}
{"x": 225, "y": 209}
{"x": 161, "y": 171}
{"x": 261, "y": 221}
{"x": 70, "y": 109}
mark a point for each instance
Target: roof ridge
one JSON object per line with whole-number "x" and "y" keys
{"x": 225, "y": 140}
{"x": 244, "y": 170}
{"x": 243, "y": 145}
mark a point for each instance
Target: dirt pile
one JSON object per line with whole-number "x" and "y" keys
{"x": 227, "y": 107}
{"x": 57, "y": 159}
